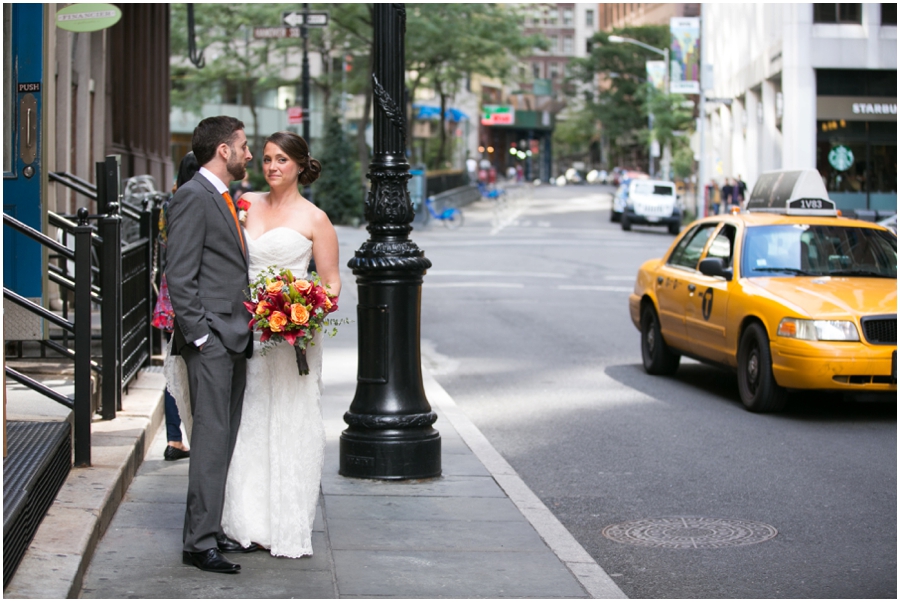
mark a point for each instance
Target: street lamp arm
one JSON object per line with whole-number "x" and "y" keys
{"x": 620, "y": 39}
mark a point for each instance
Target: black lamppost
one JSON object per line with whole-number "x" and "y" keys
{"x": 389, "y": 433}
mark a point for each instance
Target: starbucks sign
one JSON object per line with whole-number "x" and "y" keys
{"x": 840, "y": 158}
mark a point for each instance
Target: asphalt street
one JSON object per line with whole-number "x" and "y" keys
{"x": 525, "y": 323}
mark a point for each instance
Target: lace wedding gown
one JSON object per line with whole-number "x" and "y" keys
{"x": 276, "y": 469}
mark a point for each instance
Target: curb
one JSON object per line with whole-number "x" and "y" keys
{"x": 61, "y": 551}
{"x": 589, "y": 574}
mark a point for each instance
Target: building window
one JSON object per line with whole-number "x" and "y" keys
{"x": 554, "y": 44}
{"x": 552, "y": 17}
{"x": 837, "y": 13}
{"x": 889, "y": 14}
{"x": 568, "y": 45}
{"x": 554, "y": 70}
{"x": 589, "y": 17}
{"x": 536, "y": 70}
{"x": 568, "y": 18}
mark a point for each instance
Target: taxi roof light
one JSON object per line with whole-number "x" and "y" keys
{"x": 791, "y": 192}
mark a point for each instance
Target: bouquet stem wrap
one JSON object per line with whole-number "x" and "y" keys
{"x": 302, "y": 364}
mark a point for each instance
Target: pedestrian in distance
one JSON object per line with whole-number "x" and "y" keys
{"x": 207, "y": 278}
{"x": 237, "y": 189}
{"x": 164, "y": 317}
{"x": 727, "y": 189}
{"x": 742, "y": 190}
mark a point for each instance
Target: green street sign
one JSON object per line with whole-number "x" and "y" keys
{"x": 88, "y": 17}
{"x": 840, "y": 158}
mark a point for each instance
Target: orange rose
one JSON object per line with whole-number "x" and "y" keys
{"x": 277, "y": 321}
{"x": 274, "y": 286}
{"x": 328, "y": 304}
{"x": 299, "y": 313}
{"x": 302, "y": 286}
{"x": 263, "y": 307}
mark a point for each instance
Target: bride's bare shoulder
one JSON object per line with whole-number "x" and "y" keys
{"x": 254, "y": 196}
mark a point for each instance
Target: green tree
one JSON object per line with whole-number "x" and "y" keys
{"x": 349, "y": 33}
{"x": 337, "y": 191}
{"x": 573, "y": 137}
{"x": 620, "y": 104}
{"x": 238, "y": 67}
{"x": 447, "y": 42}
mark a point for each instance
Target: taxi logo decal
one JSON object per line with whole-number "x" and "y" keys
{"x": 707, "y": 303}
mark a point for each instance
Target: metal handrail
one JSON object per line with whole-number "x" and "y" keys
{"x": 40, "y": 388}
{"x": 75, "y": 183}
{"x": 38, "y": 236}
{"x": 40, "y": 311}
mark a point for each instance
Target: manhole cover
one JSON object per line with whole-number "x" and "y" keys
{"x": 690, "y": 532}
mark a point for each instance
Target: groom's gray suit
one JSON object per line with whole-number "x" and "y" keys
{"x": 206, "y": 271}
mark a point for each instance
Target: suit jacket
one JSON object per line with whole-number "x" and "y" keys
{"x": 206, "y": 268}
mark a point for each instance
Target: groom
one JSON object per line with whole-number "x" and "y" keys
{"x": 207, "y": 276}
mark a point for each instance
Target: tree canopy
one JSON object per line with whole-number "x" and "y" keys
{"x": 625, "y": 99}
{"x": 446, "y": 43}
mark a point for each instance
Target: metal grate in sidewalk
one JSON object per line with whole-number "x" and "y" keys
{"x": 39, "y": 459}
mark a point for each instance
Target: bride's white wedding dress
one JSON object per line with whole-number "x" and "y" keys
{"x": 276, "y": 469}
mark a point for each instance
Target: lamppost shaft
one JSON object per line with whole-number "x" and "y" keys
{"x": 389, "y": 433}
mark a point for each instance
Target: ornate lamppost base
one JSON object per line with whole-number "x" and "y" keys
{"x": 391, "y": 455}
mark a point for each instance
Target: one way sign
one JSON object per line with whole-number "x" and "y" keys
{"x": 296, "y": 19}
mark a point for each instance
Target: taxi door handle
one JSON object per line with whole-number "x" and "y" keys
{"x": 692, "y": 287}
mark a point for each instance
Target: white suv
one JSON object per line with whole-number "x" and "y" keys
{"x": 653, "y": 203}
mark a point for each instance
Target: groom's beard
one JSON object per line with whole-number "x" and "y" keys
{"x": 237, "y": 169}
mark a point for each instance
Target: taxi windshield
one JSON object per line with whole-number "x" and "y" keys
{"x": 650, "y": 188}
{"x": 814, "y": 250}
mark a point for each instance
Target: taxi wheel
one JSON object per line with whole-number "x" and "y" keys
{"x": 759, "y": 391}
{"x": 658, "y": 358}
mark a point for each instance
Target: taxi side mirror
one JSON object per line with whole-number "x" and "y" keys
{"x": 715, "y": 266}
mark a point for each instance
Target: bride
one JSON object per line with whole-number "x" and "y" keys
{"x": 276, "y": 468}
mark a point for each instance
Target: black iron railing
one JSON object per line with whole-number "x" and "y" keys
{"x": 80, "y": 328}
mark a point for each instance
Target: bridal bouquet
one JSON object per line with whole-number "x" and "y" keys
{"x": 290, "y": 309}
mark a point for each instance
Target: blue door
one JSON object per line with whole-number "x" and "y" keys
{"x": 23, "y": 81}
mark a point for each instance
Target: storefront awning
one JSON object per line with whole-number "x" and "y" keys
{"x": 428, "y": 112}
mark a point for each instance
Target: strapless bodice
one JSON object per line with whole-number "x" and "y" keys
{"x": 282, "y": 247}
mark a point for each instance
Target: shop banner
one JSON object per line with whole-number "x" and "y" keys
{"x": 656, "y": 74}
{"x": 498, "y": 115}
{"x": 685, "y": 55}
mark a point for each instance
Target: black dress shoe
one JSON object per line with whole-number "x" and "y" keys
{"x": 173, "y": 453}
{"x": 226, "y": 544}
{"x": 210, "y": 560}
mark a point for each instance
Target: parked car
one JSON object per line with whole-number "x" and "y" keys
{"x": 787, "y": 293}
{"x": 652, "y": 202}
{"x": 621, "y": 195}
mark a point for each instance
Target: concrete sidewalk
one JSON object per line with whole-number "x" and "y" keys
{"x": 477, "y": 531}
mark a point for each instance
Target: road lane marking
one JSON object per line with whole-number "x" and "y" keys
{"x": 612, "y": 289}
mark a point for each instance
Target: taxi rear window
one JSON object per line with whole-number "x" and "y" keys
{"x": 813, "y": 250}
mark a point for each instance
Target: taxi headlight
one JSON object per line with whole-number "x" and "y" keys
{"x": 818, "y": 330}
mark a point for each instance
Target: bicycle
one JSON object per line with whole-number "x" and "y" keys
{"x": 451, "y": 216}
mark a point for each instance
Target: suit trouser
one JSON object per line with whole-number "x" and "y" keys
{"x": 217, "y": 378}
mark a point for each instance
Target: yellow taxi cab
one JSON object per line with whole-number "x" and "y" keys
{"x": 786, "y": 292}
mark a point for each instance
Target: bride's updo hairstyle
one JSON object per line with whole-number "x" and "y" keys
{"x": 296, "y": 148}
